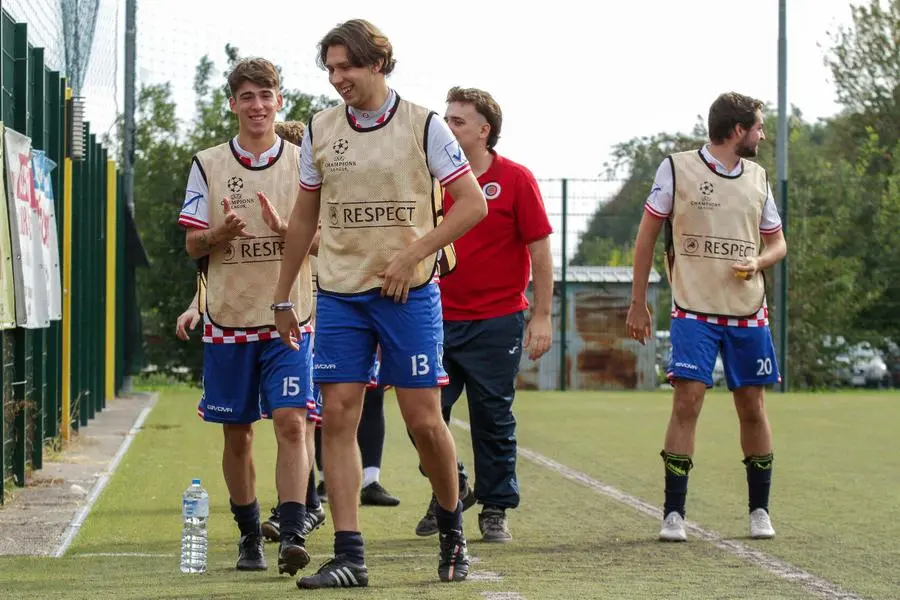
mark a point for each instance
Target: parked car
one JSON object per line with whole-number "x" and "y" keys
{"x": 861, "y": 365}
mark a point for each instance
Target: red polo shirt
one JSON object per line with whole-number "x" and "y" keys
{"x": 494, "y": 266}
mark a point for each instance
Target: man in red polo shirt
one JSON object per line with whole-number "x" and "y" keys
{"x": 484, "y": 307}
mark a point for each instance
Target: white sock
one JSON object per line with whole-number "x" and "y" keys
{"x": 370, "y": 475}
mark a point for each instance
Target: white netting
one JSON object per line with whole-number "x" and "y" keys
{"x": 83, "y": 40}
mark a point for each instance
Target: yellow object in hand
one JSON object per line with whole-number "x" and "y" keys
{"x": 745, "y": 275}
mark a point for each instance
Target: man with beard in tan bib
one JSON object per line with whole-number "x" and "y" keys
{"x": 722, "y": 231}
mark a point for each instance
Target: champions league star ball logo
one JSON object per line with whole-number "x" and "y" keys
{"x": 235, "y": 184}
{"x": 706, "y": 188}
{"x": 340, "y": 146}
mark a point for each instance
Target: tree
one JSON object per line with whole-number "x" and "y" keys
{"x": 161, "y": 169}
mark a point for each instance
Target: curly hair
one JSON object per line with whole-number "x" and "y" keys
{"x": 291, "y": 131}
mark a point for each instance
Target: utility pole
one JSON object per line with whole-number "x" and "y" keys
{"x": 781, "y": 158}
{"x": 129, "y": 133}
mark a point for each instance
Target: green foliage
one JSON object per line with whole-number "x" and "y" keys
{"x": 163, "y": 157}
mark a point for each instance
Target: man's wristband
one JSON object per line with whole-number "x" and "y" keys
{"x": 279, "y": 306}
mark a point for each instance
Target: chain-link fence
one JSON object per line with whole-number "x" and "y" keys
{"x": 58, "y": 377}
{"x": 590, "y": 349}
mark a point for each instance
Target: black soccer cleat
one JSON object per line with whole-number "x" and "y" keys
{"x": 374, "y": 494}
{"x": 314, "y": 519}
{"x": 292, "y": 555}
{"x": 454, "y": 563}
{"x": 336, "y": 573}
{"x": 250, "y": 554}
{"x": 271, "y": 529}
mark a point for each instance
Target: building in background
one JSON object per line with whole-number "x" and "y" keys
{"x": 598, "y": 352}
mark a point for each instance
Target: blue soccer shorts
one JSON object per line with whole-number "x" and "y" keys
{"x": 748, "y": 353}
{"x": 243, "y": 382}
{"x": 411, "y": 336}
{"x": 314, "y": 410}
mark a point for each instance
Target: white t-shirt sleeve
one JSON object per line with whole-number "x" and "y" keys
{"x": 195, "y": 208}
{"x": 310, "y": 178}
{"x": 446, "y": 159}
{"x": 770, "y": 220}
{"x": 659, "y": 202}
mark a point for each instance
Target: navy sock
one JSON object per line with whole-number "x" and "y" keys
{"x": 246, "y": 517}
{"x": 312, "y": 497}
{"x": 759, "y": 480}
{"x": 318, "y": 440}
{"x": 349, "y": 544}
{"x": 677, "y": 468}
{"x": 370, "y": 433}
{"x": 448, "y": 520}
{"x": 292, "y": 515}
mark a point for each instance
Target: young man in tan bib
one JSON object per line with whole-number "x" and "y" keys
{"x": 722, "y": 231}
{"x": 246, "y": 370}
{"x": 372, "y": 163}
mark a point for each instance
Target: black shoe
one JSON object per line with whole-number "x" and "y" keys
{"x": 292, "y": 555}
{"x": 271, "y": 529}
{"x": 466, "y": 495}
{"x": 250, "y": 554}
{"x": 492, "y": 523}
{"x": 320, "y": 490}
{"x": 375, "y": 495}
{"x": 454, "y": 564}
{"x": 336, "y": 573}
{"x": 314, "y": 519}
{"x": 428, "y": 524}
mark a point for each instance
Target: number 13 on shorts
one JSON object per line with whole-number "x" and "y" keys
{"x": 420, "y": 365}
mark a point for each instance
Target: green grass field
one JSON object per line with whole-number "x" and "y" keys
{"x": 835, "y": 506}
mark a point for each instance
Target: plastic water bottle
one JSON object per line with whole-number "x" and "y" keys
{"x": 194, "y": 514}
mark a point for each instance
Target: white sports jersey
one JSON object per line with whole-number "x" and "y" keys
{"x": 195, "y": 214}
{"x": 446, "y": 160}
{"x": 659, "y": 204}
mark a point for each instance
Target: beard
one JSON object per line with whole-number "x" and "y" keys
{"x": 745, "y": 150}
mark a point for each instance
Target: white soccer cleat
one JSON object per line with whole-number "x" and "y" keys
{"x": 673, "y": 528}
{"x": 761, "y": 525}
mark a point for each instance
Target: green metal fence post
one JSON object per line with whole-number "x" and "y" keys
{"x": 39, "y": 142}
{"x": 99, "y": 283}
{"x": 120, "y": 282}
{"x": 85, "y": 276}
{"x": 563, "y": 299}
{"x": 24, "y": 361}
{"x": 54, "y": 337}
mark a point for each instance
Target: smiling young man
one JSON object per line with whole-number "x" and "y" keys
{"x": 722, "y": 231}
{"x": 484, "y": 306}
{"x": 372, "y": 163}
{"x": 245, "y": 366}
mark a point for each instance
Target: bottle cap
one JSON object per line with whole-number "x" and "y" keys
{"x": 195, "y": 482}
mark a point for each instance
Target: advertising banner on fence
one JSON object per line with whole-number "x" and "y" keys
{"x": 43, "y": 189}
{"x": 25, "y": 217}
{"x": 7, "y": 285}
